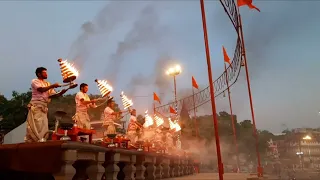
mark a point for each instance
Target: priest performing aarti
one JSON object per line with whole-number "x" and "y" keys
{"x": 83, "y": 103}
{"x": 69, "y": 73}
{"x": 133, "y": 128}
{"x": 42, "y": 92}
{"x": 133, "y": 125}
{"x": 110, "y": 116}
{"x": 148, "y": 128}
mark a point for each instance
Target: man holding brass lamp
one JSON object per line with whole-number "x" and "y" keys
{"x": 83, "y": 103}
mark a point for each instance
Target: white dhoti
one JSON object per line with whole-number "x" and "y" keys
{"x": 37, "y": 121}
{"x": 110, "y": 127}
{"x": 82, "y": 119}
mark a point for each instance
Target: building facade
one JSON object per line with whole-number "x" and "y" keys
{"x": 301, "y": 148}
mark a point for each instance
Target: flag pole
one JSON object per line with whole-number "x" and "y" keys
{"x": 259, "y": 168}
{"x": 195, "y": 115}
{"x": 213, "y": 103}
{"x": 232, "y": 120}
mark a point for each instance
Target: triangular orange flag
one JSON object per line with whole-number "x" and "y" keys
{"x": 172, "y": 111}
{"x": 194, "y": 83}
{"x": 247, "y": 3}
{"x": 225, "y": 56}
{"x": 156, "y": 97}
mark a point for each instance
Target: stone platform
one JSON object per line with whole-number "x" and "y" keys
{"x": 60, "y": 160}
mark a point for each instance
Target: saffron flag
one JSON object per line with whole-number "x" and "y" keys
{"x": 194, "y": 83}
{"x": 172, "y": 111}
{"x": 156, "y": 97}
{"x": 247, "y": 3}
{"x": 225, "y": 56}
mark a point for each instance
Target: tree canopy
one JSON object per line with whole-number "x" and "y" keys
{"x": 14, "y": 111}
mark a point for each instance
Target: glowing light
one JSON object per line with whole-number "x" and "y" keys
{"x": 177, "y": 126}
{"x": 68, "y": 71}
{"x": 171, "y": 124}
{"x": 104, "y": 87}
{"x": 148, "y": 120}
{"x": 173, "y": 71}
{"x": 307, "y": 137}
{"x": 159, "y": 120}
{"x": 125, "y": 101}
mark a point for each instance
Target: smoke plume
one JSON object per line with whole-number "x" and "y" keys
{"x": 207, "y": 151}
{"x": 95, "y": 32}
{"x": 158, "y": 78}
{"x": 146, "y": 32}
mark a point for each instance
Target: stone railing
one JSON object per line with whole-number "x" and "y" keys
{"x": 81, "y": 161}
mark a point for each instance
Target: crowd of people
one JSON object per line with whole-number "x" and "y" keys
{"x": 43, "y": 92}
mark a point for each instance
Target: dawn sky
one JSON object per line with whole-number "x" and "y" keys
{"x": 282, "y": 43}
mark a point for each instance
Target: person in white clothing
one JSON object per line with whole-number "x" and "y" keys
{"x": 83, "y": 103}
{"x": 42, "y": 92}
{"x": 109, "y": 117}
{"x": 133, "y": 127}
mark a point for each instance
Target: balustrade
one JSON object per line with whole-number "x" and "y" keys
{"x": 62, "y": 160}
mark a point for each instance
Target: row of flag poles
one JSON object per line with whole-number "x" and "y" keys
{"x": 195, "y": 86}
{"x": 249, "y": 3}
{"x": 213, "y": 105}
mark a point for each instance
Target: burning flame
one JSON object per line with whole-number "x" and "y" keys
{"x": 104, "y": 87}
{"x": 148, "y": 120}
{"x": 177, "y": 126}
{"x": 125, "y": 101}
{"x": 159, "y": 120}
{"x": 171, "y": 124}
{"x": 67, "y": 69}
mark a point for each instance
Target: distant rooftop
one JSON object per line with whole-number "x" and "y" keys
{"x": 279, "y": 134}
{"x": 306, "y": 130}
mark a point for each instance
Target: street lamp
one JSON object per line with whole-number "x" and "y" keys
{"x": 307, "y": 138}
{"x": 300, "y": 158}
{"x": 174, "y": 71}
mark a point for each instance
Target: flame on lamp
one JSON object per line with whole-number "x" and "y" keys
{"x": 148, "y": 120}
{"x": 104, "y": 87}
{"x": 125, "y": 101}
{"x": 159, "y": 120}
{"x": 68, "y": 71}
{"x": 177, "y": 126}
{"x": 171, "y": 124}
